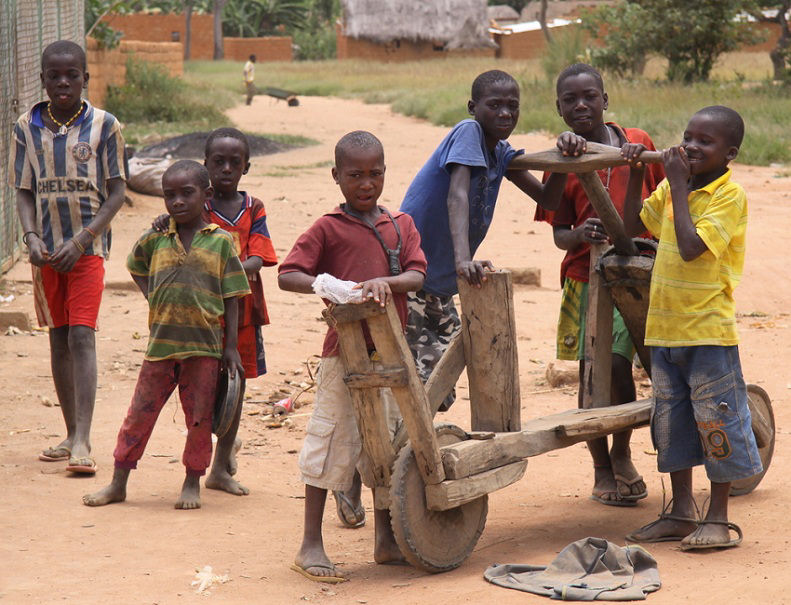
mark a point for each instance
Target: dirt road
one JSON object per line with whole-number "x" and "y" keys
{"x": 54, "y": 549}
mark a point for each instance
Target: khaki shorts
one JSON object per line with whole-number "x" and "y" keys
{"x": 332, "y": 448}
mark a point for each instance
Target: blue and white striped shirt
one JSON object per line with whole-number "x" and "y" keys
{"x": 67, "y": 173}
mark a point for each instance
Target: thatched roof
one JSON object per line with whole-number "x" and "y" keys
{"x": 456, "y": 23}
{"x": 502, "y": 13}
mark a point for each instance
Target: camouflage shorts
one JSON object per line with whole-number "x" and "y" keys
{"x": 432, "y": 321}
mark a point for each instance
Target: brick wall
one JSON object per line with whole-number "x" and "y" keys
{"x": 399, "y": 50}
{"x": 165, "y": 27}
{"x": 108, "y": 67}
{"x": 271, "y": 48}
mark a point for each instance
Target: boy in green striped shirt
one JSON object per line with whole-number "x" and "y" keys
{"x": 191, "y": 277}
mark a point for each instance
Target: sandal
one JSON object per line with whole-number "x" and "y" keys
{"x": 730, "y": 543}
{"x": 662, "y": 517}
{"x": 350, "y": 515}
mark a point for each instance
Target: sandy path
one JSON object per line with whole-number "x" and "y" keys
{"x": 143, "y": 551}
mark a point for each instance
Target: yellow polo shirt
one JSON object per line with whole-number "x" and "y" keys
{"x": 692, "y": 301}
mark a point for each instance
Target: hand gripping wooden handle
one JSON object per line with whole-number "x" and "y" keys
{"x": 596, "y": 157}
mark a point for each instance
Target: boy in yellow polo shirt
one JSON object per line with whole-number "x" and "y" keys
{"x": 701, "y": 414}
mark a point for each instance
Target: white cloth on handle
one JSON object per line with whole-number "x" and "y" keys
{"x": 336, "y": 290}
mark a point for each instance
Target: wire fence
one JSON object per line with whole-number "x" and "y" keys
{"x": 26, "y": 28}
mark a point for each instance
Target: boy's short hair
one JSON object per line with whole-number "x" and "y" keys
{"x": 252, "y": 58}
{"x": 357, "y": 139}
{"x": 575, "y": 70}
{"x": 729, "y": 121}
{"x": 487, "y": 79}
{"x": 227, "y": 133}
{"x": 64, "y": 47}
{"x": 195, "y": 169}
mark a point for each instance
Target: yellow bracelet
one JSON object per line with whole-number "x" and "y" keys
{"x": 78, "y": 245}
{"x": 91, "y": 231}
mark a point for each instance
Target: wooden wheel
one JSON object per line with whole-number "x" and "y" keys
{"x": 434, "y": 541}
{"x": 763, "y": 423}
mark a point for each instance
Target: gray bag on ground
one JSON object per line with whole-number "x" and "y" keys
{"x": 591, "y": 569}
{"x": 145, "y": 174}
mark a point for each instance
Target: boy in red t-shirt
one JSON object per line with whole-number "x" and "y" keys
{"x": 581, "y": 101}
{"x": 344, "y": 244}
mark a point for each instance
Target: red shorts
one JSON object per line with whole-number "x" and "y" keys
{"x": 69, "y": 299}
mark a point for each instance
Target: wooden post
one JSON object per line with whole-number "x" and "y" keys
{"x": 489, "y": 336}
{"x": 598, "y": 337}
{"x": 596, "y": 157}
{"x": 602, "y": 204}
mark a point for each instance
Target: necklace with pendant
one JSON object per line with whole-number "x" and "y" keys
{"x": 64, "y": 125}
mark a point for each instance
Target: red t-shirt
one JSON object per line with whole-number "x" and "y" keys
{"x": 346, "y": 248}
{"x": 575, "y": 208}
{"x": 251, "y": 238}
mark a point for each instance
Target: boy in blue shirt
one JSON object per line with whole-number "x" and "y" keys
{"x": 452, "y": 202}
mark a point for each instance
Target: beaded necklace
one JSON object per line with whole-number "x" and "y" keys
{"x": 64, "y": 125}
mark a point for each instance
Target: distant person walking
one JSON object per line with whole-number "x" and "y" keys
{"x": 249, "y": 77}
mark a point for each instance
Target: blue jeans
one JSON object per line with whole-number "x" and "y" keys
{"x": 701, "y": 414}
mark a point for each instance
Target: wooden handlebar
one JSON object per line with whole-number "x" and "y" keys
{"x": 596, "y": 157}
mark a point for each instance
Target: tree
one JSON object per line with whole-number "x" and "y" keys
{"x": 781, "y": 53}
{"x": 217, "y": 9}
{"x": 623, "y": 30}
{"x": 690, "y": 35}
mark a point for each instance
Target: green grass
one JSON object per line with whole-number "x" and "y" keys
{"x": 438, "y": 90}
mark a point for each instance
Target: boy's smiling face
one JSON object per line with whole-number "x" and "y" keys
{"x": 707, "y": 146}
{"x": 226, "y": 162}
{"x": 63, "y": 78}
{"x": 361, "y": 177}
{"x": 497, "y": 111}
{"x": 581, "y": 103}
{"x": 184, "y": 197}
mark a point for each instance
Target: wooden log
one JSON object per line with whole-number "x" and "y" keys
{"x": 612, "y": 221}
{"x": 450, "y": 494}
{"x": 597, "y": 375}
{"x": 336, "y": 314}
{"x": 489, "y": 334}
{"x": 597, "y": 157}
{"x": 395, "y": 377}
{"x": 445, "y": 374}
{"x": 541, "y": 435}
{"x": 388, "y": 337}
{"x": 368, "y": 407}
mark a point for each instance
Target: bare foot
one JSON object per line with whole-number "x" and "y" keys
{"x": 221, "y": 480}
{"x": 708, "y": 534}
{"x": 386, "y": 551}
{"x": 190, "y": 493}
{"x": 628, "y": 480}
{"x": 663, "y": 530}
{"x": 233, "y": 465}
{"x": 115, "y": 492}
{"x": 314, "y": 561}
{"x": 605, "y": 489}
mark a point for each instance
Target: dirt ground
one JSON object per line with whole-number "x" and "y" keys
{"x": 54, "y": 549}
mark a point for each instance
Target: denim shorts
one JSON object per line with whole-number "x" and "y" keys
{"x": 701, "y": 414}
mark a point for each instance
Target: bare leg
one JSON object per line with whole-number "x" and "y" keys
{"x": 190, "y": 493}
{"x": 221, "y": 477}
{"x": 385, "y": 548}
{"x": 62, "y": 376}
{"x": 82, "y": 345}
{"x": 311, "y": 556}
{"x": 627, "y": 478}
{"x": 115, "y": 492}
{"x": 718, "y": 511}
{"x": 683, "y": 506}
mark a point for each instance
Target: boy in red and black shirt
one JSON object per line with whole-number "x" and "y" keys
{"x": 344, "y": 244}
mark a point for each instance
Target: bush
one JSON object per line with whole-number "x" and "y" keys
{"x": 314, "y": 44}
{"x": 151, "y": 95}
{"x": 567, "y": 47}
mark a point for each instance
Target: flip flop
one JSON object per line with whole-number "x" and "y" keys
{"x": 729, "y": 544}
{"x": 350, "y": 515}
{"x": 322, "y": 579}
{"x": 55, "y": 454}
{"x": 629, "y": 483}
{"x": 82, "y": 466}
{"x": 633, "y": 538}
{"x": 620, "y": 501}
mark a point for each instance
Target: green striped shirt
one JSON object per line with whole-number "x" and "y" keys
{"x": 186, "y": 290}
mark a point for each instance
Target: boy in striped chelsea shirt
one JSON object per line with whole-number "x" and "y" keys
{"x": 191, "y": 277}
{"x": 67, "y": 166}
